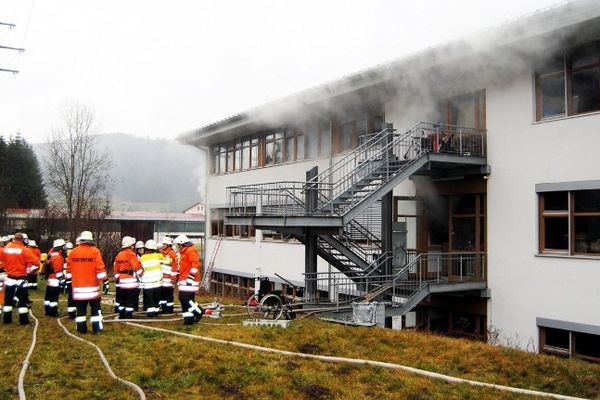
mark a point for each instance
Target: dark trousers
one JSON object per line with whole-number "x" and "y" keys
{"x": 96, "y": 315}
{"x": 32, "y": 279}
{"x": 16, "y": 294}
{"x": 192, "y": 312}
{"x": 51, "y": 300}
{"x": 151, "y": 299}
{"x": 128, "y": 301}
{"x": 166, "y": 299}
{"x": 118, "y": 298}
{"x": 71, "y": 306}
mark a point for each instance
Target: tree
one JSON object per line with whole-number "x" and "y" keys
{"x": 78, "y": 172}
{"x": 25, "y": 186}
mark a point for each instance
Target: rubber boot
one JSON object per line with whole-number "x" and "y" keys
{"x": 7, "y": 315}
{"x": 81, "y": 324}
{"x": 23, "y": 316}
{"x": 47, "y": 308}
{"x": 188, "y": 318}
{"x": 97, "y": 325}
{"x": 72, "y": 311}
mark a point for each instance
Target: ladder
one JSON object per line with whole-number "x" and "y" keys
{"x": 205, "y": 284}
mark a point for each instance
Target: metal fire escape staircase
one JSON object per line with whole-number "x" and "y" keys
{"x": 331, "y": 203}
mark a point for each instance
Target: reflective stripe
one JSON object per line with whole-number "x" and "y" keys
{"x": 188, "y": 288}
{"x": 86, "y": 296}
{"x": 53, "y": 282}
{"x": 54, "y": 304}
{"x": 187, "y": 314}
{"x": 13, "y": 250}
{"x": 85, "y": 289}
{"x": 13, "y": 282}
{"x": 71, "y": 309}
{"x": 101, "y": 275}
{"x": 7, "y": 309}
{"x": 23, "y": 310}
{"x": 96, "y": 318}
{"x": 80, "y": 319}
{"x": 194, "y": 271}
{"x": 46, "y": 302}
{"x": 152, "y": 285}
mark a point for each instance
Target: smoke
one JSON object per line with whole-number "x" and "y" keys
{"x": 412, "y": 87}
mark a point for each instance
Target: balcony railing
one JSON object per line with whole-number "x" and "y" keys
{"x": 424, "y": 270}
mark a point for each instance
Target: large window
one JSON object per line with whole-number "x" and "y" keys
{"x": 569, "y": 83}
{"x": 274, "y": 148}
{"x": 570, "y": 222}
{"x": 570, "y": 343}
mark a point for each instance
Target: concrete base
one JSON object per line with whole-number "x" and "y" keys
{"x": 282, "y": 323}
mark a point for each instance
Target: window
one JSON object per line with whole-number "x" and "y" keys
{"x": 570, "y": 222}
{"x": 294, "y": 145}
{"x": 347, "y": 136}
{"x": 569, "y": 343}
{"x": 274, "y": 148}
{"x": 569, "y": 83}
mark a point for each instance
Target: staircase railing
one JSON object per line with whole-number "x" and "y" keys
{"x": 385, "y": 154}
{"x": 398, "y": 288}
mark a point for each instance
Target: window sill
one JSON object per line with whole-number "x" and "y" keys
{"x": 564, "y": 117}
{"x": 575, "y": 256}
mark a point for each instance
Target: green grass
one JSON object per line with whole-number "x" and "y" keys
{"x": 172, "y": 367}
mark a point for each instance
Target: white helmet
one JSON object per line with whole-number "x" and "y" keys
{"x": 58, "y": 243}
{"x": 69, "y": 245}
{"x": 10, "y": 237}
{"x": 151, "y": 245}
{"x": 127, "y": 241}
{"x": 139, "y": 244}
{"x": 181, "y": 239}
{"x": 4, "y": 239}
{"x": 86, "y": 236}
{"x": 32, "y": 243}
{"x": 167, "y": 240}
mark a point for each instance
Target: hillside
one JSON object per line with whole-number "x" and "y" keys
{"x": 174, "y": 367}
{"x": 150, "y": 174}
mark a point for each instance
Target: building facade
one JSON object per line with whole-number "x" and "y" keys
{"x": 499, "y": 192}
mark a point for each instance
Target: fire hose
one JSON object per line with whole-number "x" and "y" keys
{"x": 125, "y": 382}
{"x": 358, "y": 361}
{"x": 20, "y": 385}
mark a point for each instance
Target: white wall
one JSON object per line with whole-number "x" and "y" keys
{"x": 264, "y": 258}
{"x": 522, "y": 154}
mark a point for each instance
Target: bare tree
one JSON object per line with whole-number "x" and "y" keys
{"x": 77, "y": 172}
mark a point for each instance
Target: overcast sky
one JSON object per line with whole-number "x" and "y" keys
{"x": 160, "y": 68}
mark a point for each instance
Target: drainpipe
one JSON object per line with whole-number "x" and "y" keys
{"x": 206, "y": 209}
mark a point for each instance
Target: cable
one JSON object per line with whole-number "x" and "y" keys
{"x": 132, "y": 385}
{"x": 358, "y": 361}
{"x": 20, "y": 385}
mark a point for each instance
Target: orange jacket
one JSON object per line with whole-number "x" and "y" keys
{"x": 167, "y": 251}
{"x": 87, "y": 270}
{"x": 1, "y": 264}
{"x": 189, "y": 264}
{"x": 16, "y": 258}
{"x": 34, "y": 269}
{"x": 56, "y": 260}
{"x": 125, "y": 266}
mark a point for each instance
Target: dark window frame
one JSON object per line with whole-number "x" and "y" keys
{"x": 571, "y": 215}
{"x": 567, "y": 72}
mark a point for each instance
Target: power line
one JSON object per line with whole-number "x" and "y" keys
{"x": 19, "y": 49}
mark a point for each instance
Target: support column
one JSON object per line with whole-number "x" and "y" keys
{"x": 387, "y": 208}
{"x": 386, "y": 229}
{"x": 310, "y": 264}
{"x": 310, "y": 238}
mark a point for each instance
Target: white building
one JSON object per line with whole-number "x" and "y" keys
{"x": 499, "y": 195}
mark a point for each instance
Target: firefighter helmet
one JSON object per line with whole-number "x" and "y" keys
{"x": 151, "y": 245}
{"x": 127, "y": 241}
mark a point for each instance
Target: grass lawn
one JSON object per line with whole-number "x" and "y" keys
{"x": 171, "y": 367}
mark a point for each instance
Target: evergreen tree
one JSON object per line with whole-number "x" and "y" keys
{"x": 23, "y": 186}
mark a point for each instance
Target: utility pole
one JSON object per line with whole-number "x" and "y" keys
{"x": 19, "y": 49}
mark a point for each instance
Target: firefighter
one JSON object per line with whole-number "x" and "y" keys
{"x": 55, "y": 276}
{"x": 87, "y": 269}
{"x": 139, "y": 248}
{"x": 169, "y": 268}
{"x": 152, "y": 262}
{"x": 127, "y": 269}
{"x": 32, "y": 274}
{"x": 16, "y": 258}
{"x": 189, "y": 280}
{"x": 67, "y": 284}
